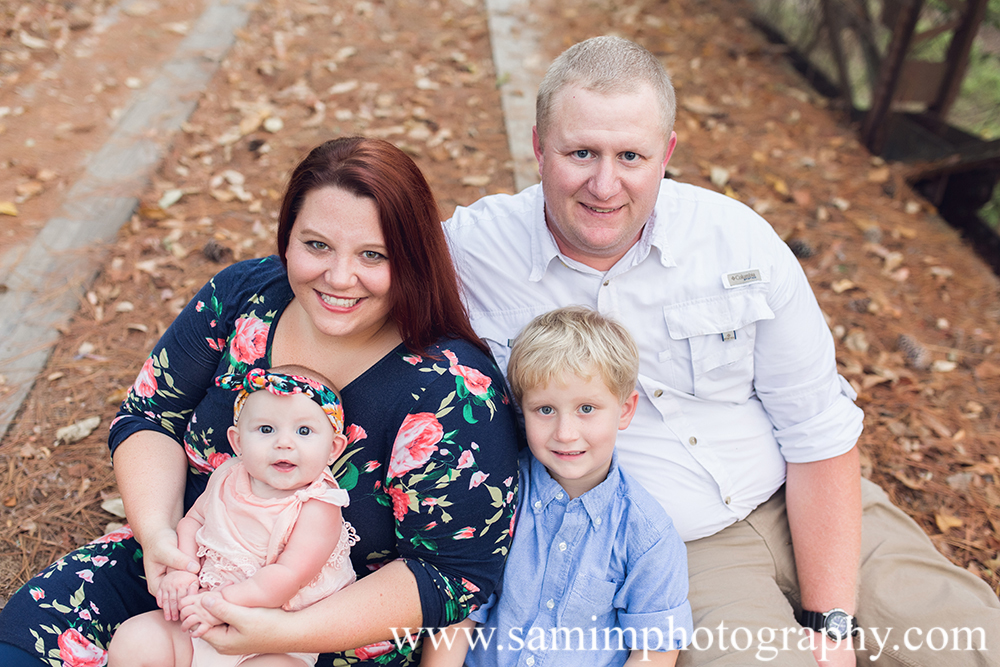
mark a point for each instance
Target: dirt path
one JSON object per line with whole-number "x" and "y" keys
{"x": 421, "y": 75}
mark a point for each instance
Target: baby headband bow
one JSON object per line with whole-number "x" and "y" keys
{"x": 282, "y": 384}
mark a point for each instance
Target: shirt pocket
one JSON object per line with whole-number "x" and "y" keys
{"x": 499, "y": 332}
{"x": 720, "y": 332}
{"x": 590, "y": 597}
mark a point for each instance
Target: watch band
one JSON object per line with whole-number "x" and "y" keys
{"x": 820, "y": 622}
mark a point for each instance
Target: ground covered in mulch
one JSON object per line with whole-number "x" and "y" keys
{"x": 915, "y": 313}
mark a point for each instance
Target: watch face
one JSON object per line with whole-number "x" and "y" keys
{"x": 838, "y": 625}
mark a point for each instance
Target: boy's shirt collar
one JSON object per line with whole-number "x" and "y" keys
{"x": 543, "y": 491}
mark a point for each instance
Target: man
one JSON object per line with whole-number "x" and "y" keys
{"x": 744, "y": 431}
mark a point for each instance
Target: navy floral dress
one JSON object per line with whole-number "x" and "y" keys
{"x": 431, "y": 468}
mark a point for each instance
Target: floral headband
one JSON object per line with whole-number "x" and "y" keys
{"x": 281, "y": 384}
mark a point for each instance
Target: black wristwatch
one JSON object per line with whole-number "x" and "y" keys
{"x": 836, "y": 624}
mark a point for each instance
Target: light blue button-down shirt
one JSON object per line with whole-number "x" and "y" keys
{"x": 580, "y": 571}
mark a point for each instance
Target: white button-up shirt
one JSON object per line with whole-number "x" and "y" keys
{"x": 737, "y": 372}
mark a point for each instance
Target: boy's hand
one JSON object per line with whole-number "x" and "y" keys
{"x": 195, "y": 618}
{"x": 175, "y": 586}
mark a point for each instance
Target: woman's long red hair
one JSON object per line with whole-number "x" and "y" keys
{"x": 426, "y": 305}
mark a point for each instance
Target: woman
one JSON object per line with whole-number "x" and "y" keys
{"x": 364, "y": 292}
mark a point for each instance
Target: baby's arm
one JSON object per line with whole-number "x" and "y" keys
{"x": 314, "y": 538}
{"x": 440, "y": 652}
{"x": 178, "y": 584}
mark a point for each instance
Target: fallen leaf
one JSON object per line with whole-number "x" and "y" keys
{"x": 8, "y": 208}
{"x": 31, "y": 41}
{"x": 943, "y": 366}
{"x": 946, "y": 522}
{"x": 879, "y": 175}
{"x": 476, "y": 181}
{"x": 29, "y": 189}
{"x": 169, "y": 198}
{"x": 77, "y": 431}
{"x": 842, "y": 286}
{"x": 343, "y": 87}
{"x": 114, "y": 506}
{"x": 719, "y": 176}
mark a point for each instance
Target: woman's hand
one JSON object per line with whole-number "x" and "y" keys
{"x": 160, "y": 555}
{"x": 195, "y": 618}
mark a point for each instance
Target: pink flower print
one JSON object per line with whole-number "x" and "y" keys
{"x": 122, "y": 533}
{"x": 466, "y": 460}
{"x": 469, "y": 586}
{"x": 217, "y": 344}
{"x": 510, "y": 497}
{"x": 145, "y": 384}
{"x": 412, "y": 359}
{"x": 478, "y": 478}
{"x": 196, "y": 460}
{"x": 507, "y": 482}
{"x": 431, "y": 525}
{"x": 75, "y": 650}
{"x": 400, "y": 502}
{"x": 452, "y": 359}
{"x": 85, "y": 615}
{"x": 477, "y": 383}
{"x": 200, "y": 306}
{"x": 249, "y": 341}
{"x": 415, "y": 442}
{"x": 86, "y": 575}
{"x": 216, "y": 459}
{"x": 374, "y": 650}
{"x": 354, "y": 433}
{"x": 100, "y": 561}
{"x": 466, "y": 533}
{"x": 372, "y": 465}
{"x": 93, "y": 608}
{"x": 429, "y": 502}
{"x": 37, "y": 594}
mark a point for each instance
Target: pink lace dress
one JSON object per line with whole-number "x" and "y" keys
{"x": 243, "y": 533}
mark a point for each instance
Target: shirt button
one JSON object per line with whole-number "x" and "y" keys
{"x": 658, "y": 393}
{"x": 530, "y": 661}
{"x": 538, "y": 504}
{"x": 692, "y": 440}
{"x": 607, "y": 282}
{"x": 550, "y": 604}
{"x": 728, "y": 499}
{"x": 559, "y": 496}
{"x": 562, "y": 546}
{"x": 598, "y": 521}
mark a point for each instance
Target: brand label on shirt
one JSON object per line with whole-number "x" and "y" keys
{"x": 730, "y": 280}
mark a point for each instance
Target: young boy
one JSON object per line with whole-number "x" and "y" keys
{"x": 596, "y": 574}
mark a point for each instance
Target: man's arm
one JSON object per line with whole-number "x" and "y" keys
{"x": 824, "y": 516}
{"x": 652, "y": 658}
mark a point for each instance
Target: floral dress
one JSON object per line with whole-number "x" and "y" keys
{"x": 430, "y": 465}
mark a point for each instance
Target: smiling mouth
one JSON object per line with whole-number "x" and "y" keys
{"x": 595, "y": 209}
{"x": 284, "y": 466}
{"x": 338, "y": 302}
{"x": 577, "y": 453}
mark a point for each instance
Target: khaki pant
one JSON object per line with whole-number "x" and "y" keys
{"x": 914, "y": 607}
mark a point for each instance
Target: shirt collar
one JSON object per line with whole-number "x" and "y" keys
{"x": 543, "y": 491}
{"x": 544, "y": 248}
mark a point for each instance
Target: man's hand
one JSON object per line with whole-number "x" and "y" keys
{"x": 160, "y": 555}
{"x": 173, "y": 587}
{"x": 829, "y": 653}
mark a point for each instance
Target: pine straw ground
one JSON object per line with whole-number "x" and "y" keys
{"x": 915, "y": 314}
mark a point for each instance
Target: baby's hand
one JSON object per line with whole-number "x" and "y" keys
{"x": 195, "y": 618}
{"x": 175, "y": 586}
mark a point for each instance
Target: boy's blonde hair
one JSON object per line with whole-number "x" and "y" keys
{"x": 573, "y": 341}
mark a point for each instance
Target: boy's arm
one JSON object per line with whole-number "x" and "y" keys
{"x": 440, "y": 652}
{"x": 313, "y": 540}
{"x": 637, "y": 658}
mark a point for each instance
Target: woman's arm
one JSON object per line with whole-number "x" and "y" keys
{"x": 363, "y": 613}
{"x": 150, "y": 469}
{"x": 313, "y": 540}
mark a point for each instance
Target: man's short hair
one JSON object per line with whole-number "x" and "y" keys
{"x": 573, "y": 341}
{"x": 610, "y": 66}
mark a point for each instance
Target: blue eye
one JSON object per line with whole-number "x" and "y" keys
{"x": 630, "y": 156}
{"x": 586, "y": 409}
{"x": 266, "y": 429}
{"x": 304, "y": 430}
{"x": 546, "y": 410}
{"x": 583, "y": 153}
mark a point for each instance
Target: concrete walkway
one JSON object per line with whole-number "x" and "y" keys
{"x": 49, "y": 278}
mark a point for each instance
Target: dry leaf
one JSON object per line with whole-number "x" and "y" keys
{"x": 946, "y": 521}
{"x": 8, "y": 208}
{"x": 879, "y": 175}
{"x": 943, "y": 366}
{"x": 842, "y": 286}
{"x": 114, "y": 506}
{"x": 476, "y": 181}
{"x": 719, "y": 176}
{"x": 29, "y": 189}
{"x": 77, "y": 431}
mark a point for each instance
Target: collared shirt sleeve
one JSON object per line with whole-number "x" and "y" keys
{"x": 652, "y": 601}
{"x": 811, "y": 406}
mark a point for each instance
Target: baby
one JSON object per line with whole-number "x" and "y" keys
{"x": 268, "y": 530}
